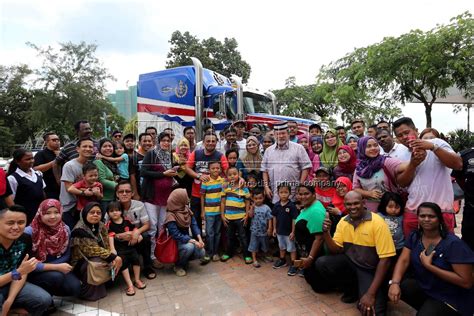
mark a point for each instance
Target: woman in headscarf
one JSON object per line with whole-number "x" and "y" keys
{"x": 108, "y": 171}
{"x": 328, "y": 157}
{"x": 351, "y": 141}
{"x": 158, "y": 175}
{"x": 90, "y": 239}
{"x": 51, "y": 239}
{"x": 375, "y": 174}
{"x": 181, "y": 156}
{"x": 317, "y": 148}
{"x": 253, "y": 159}
{"x": 346, "y": 162}
{"x": 303, "y": 140}
{"x": 179, "y": 219}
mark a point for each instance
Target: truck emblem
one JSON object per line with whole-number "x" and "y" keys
{"x": 181, "y": 90}
{"x": 218, "y": 79}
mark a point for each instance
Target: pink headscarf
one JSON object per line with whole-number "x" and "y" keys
{"x": 309, "y": 150}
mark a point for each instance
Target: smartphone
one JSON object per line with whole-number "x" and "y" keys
{"x": 430, "y": 249}
{"x": 175, "y": 168}
{"x": 112, "y": 273}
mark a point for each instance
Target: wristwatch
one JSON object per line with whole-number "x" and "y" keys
{"x": 199, "y": 176}
{"x": 16, "y": 275}
{"x": 435, "y": 147}
{"x": 393, "y": 282}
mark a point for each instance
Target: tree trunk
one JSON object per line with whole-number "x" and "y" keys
{"x": 428, "y": 108}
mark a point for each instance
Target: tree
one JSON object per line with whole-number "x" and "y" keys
{"x": 71, "y": 87}
{"x": 223, "y": 58}
{"x": 414, "y": 66}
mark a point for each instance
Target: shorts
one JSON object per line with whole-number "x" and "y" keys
{"x": 258, "y": 242}
{"x": 285, "y": 243}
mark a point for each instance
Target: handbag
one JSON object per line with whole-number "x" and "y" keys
{"x": 98, "y": 271}
{"x": 166, "y": 250}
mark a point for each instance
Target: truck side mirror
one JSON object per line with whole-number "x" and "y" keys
{"x": 221, "y": 113}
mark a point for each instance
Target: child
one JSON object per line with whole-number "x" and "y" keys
{"x": 391, "y": 209}
{"x": 235, "y": 207}
{"x": 324, "y": 188}
{"x": 211, "y": 193}
{"x": 88, "y": 189}
{"x": 284, "y": 215}
{"x": 261, "y": 226}
{"x": 121, "y": 159}
{"x": 232, "y": 156}
{"x": 117, "y": 225}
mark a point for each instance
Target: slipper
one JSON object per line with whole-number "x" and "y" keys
{"x": 224, "y": 258}
{"x": 248, "y": 260}
{"x": 139, "y": 285}
{"x": 130, "y": 291}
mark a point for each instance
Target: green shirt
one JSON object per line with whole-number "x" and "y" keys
{"x": 314, "y": 215}
{"x": 106, "y": 177}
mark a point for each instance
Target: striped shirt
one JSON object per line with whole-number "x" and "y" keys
{"x": 235, "y": 202}
{"x": 211, "y": 191}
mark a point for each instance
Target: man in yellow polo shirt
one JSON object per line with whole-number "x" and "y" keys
{"x": 362, "y": 249}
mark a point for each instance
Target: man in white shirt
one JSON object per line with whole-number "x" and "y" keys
{"x": 390, "y": 148}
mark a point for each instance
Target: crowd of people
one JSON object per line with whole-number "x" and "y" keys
{"x": 363, "y": 212}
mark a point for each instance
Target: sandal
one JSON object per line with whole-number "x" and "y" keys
{"x": 130, "y": 291}
{"x": 139, "y": 285}
{"x": 150, "y": 274}
{"x": 256, "y": 264}
{"x": 248, "y": 260}
{"x": 224, "y": 258}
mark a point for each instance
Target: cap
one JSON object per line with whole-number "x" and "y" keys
{"x": 323, "y": 169}
{"x": 238, "y": 122}
{"x": 280, "y": 126}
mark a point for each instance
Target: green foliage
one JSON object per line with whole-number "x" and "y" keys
{"x": 461, "y": 139}
{"x": 222, "y": 57}
{"x": 417, "y": 66}
{"x": 132, "y": 126}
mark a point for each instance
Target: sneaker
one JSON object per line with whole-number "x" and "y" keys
{"x": 224, "y": 258}
{"x": 179, "y": 271}
{"x": 216, "y": 258}
{"x": 301, "y": 273}
{"x": 268, "y": 259}
{"x": 279, "y": 264}
{"x": 349, "y": 298}
{"x": 292, "y": 270}
{"x": 205, "y": 260}
{"x": 256, "y": 264}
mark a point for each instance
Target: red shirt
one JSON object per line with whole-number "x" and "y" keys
{"x": 82, "y": 200}
{"x": 204, "y": 169}
{"x": 325, "y": 197}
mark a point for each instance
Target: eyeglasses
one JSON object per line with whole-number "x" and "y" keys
{"x": 124, "y": 191}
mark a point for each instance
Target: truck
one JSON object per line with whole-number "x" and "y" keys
{"x": 195, "y": 96}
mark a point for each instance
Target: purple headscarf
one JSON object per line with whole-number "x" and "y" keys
{"x": 367, "y": 167}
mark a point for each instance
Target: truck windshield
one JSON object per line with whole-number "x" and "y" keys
{"x": 257, "y": 103}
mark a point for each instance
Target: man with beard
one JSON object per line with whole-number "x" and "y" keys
{"x": 45, "y": 160}
{"x": 145, "y": 143}
{"x": 390, "y": 147}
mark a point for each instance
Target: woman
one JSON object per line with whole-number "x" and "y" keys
{"x": 181, "y": 156}
{"x": 51, "y": 247}
{"x": 328, "y": 157}
{"x": 429, "y": 133}
{"x": 308, "y": 230}
{"x": 26, "y": 184}
{"x": 442, "y": 267}
{"x": 346, "y": 162}
{"x": 108, "y": 172}
{"x": 337, "y": 209}
{"x": 303, "y": 140}
{"x": 351, "y": 141}
{"x": 317, "y": 148}
{"x": 267, "y": 142}
{"x": 90, "y": 239}
{"x": 157, "y": 172}
{"x": 179, "y": 220}
{"x": 253, "y": 159}
{"x": 374, "y": 173}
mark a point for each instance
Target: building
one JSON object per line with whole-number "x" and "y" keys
{"x": 125, "y": 101}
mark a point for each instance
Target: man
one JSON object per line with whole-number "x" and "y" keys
{"x": 363, "y": 247}
{"x": 117, "y": 136}
{"x": 197, "y": 168}
{"x": 230, "y": 136}
{"x": 239, "y": 127}
{"x": 341, "y": 133}
{"x": 145, "y": 143}
{"x": 293, "y": 130}
{"x": 135, "y": 211}
{"x": 190, "y": 134}
{"x": 16, "y": 264}
{"x": 72, "y": 172}
{"x": 129, "y": 142}
{"x": 150, "y": 130}
{"x": 383, "y": 125}
{"x": 69, "y": 152}
{"x": 44, "y": 162}
{"x": 465, "y": 179}
{"x": 284, "y": 161}
{"x": 315, "y": 130}
{"x": 433, "y": 177}
{"x": 255, "y": 131}
{"x": 372, "y": 130}
{"x": 358, "y": 127}
{"x": 390, "y": 148}
{"x": 170, "y": 132}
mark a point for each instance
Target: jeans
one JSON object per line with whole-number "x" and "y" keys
{"x": 31, "y": 297}
{"x": 338, "y": 271}
{"x": 213, "y": 231}
{"x": 236, "y": 226}
{"x": 196, "y": 208}
{"x": 157, "y": 215}
{"x": 188, "y": 252}
{"x": 56, "y": 283}
{"x": 413, "y": 295}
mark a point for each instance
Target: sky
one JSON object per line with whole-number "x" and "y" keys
{"x": 278, "y": 38}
